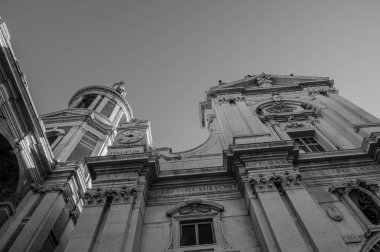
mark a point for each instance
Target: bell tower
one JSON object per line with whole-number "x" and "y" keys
{"x": 89, "y": 123}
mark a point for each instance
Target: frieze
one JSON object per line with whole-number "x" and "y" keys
{"x": 340, "y": 171}
{"x": 267, "y": 164}
{"x": 192, "y": 190}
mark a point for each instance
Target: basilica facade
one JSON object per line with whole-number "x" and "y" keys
{"x": 289, "y": 165}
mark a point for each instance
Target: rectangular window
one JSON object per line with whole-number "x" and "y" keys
{"x": 197, "y": 232}
{"x": 308, "y": 144}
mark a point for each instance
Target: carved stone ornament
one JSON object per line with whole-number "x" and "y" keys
{"x": 264, "y": 80}
{"x": 342, "y": 187}
{"x": 165, "y": 153}
{"x": 120, "y": 87}
{"x": 194, "y": 207}
{"x": 231, "y": 98}
{"x": 66, "y": 194}
{"x": 334, "y": 213}
{"x": 99, "y": 195}
{"x": 274, "y": 182}
{"x": 210, "y": 120}
{"x": 294, "y": 126}
{"x": 353, "y": 238}
{"x": 134, "y": 122}
{"x": 325, "y": 91}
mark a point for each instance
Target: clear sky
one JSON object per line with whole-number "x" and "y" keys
{"x": 171, "y": 51}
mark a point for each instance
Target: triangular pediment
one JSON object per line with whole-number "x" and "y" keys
{"x": 262, "y": 81}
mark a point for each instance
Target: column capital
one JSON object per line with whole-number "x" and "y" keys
{"x": 121, "y": 195}
{"x": 277, "y": 181}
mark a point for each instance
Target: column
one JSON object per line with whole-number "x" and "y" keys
{"x": 41, "y": 222}
{"x": 320, "y": 230}
{"x": 136, "y": 222}
{"x": 104, "y": 222}
{"x": 82, "y": 238}
{"x": 285, "y": 232}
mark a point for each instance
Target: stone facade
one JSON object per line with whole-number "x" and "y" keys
{"x": 289, "y": 165}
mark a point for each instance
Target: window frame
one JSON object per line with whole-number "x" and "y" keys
{"x": 316, "y": 135}
{"x": 196, "y": 223}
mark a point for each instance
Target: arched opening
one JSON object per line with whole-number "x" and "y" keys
{"x": 9, "y": 172}
{"x": 367, "y": 205}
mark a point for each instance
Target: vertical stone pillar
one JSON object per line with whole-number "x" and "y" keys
{"x": 286, "y": 235}
{"x": 322, "y": 233}
{"x": 40, "y": 223}
{"x": 114, "y": 233}
{"x": 84, "y": 233}
{"x": 104, "y": 222}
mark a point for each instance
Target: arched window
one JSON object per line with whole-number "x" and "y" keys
{"x": 87, "y": 100}
{"x": 364, "y": 201}
{"x": 360, "y": 196}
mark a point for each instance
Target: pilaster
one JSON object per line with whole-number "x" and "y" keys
{"x": 286, "y": 235}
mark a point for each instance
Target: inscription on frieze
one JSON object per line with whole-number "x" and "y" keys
{"x": 341, "y": 171}
{"x": 267, "y": 164}
{"x": 192, "y": 190}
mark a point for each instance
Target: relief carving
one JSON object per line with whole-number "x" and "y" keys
{"x": 264, "y": 80}
{"x": 275, "y": 181}
{"x": 334, "y": 213}
{"x": 165, "y": 153}
{"x": 66, "y": 193}
{"x": 356, "y": 192}
{"x": 354, "y": 238}
{"x": 119, "y": 195}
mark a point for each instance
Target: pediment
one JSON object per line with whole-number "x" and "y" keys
{"x": 263, "y": 81}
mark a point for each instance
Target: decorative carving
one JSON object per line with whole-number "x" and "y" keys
{"x": 264, "y": 80}
{"x": 334, "y": 213}
{"x": 195, "y": 207}
{"x": 261, "y": 184}
{"x": 134, "y": 122}
{"x": 292, "y": 180}
{"x": 325, "y": 91}
{"x": 165, "y": 153}
{"x": 353, "y": 238}
{"x": 363, "y": 198}
{"x": 119, "y": 195}
{"x": 120, "y": 87}
{"x": 210, "y": 119}
{"x": 278, "y": 182}
{"x": 294, "y": 125}
{"x": 231, "y": 98}
{"x": 66, "y": 193}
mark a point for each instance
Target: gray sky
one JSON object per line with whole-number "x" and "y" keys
{"x": 171, "y": 51}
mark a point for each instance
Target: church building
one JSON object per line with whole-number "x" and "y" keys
{"x": 289, "y": 165}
